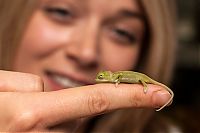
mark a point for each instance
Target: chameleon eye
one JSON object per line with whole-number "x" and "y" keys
{"x": 100, "y": 76}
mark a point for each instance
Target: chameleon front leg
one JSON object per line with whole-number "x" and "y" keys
{"x": 117, "y": 82}
{"x": 144, "y": 85}
{"x": 117, "y": 79}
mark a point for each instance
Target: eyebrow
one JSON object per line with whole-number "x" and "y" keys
{"x": 131, "y": 14}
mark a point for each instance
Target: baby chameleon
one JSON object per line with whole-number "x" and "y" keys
{"x": 133, "y": 78}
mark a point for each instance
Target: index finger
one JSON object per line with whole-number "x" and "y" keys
{"x": 55, "y": 107}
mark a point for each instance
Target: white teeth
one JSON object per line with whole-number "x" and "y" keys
{"x": 65, "y": 82}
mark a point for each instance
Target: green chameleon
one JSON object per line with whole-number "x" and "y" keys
{"x": 132, "y": 78}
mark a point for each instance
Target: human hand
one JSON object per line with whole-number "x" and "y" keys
{"x": 25, "y": 107}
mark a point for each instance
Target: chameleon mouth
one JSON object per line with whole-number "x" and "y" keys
{"x": 101, "y": 81}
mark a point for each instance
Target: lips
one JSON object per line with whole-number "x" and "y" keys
{"x": 60, "y": 81}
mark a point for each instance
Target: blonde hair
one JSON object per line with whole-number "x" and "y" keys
{"x": 13, "y": 17}
{"x": 158, "y": 61}
{"x": 161, "y": 55}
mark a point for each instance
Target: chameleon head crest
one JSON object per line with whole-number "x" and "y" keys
{"x": 103, "y": 76}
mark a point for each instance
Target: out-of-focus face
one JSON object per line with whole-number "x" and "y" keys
{"x": 67, "y": 42}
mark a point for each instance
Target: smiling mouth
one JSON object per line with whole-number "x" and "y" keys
{"x": 62, "y": 81}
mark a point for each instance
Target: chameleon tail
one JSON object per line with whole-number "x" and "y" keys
{"x": 169, "y": 90}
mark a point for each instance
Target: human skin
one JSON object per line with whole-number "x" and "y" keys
{"x": 65, "y": 44}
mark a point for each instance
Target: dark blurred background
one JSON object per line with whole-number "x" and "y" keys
{"x": 187, "y": 73}
{"x": 186, "y": 81}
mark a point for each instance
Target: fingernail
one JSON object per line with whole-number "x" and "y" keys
{"x": 161, "y": 97}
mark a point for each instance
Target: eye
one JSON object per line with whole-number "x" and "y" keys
{"x": 123, "y": 35}
{"x": 100, "y": 76}
{"x": 59, "y": 14}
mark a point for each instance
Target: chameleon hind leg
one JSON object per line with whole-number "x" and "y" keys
{"x": 144, "y": 85}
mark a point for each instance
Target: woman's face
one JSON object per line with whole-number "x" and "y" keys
{"x": 68, "y": 41}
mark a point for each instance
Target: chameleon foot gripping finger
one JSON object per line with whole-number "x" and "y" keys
{"x": 131, "y": 77}
{"x": 145, "y": 86}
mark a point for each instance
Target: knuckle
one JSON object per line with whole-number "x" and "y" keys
{"x": 135, "y": 99}
{"x": 98, "y": 102}
{"x": 23, "y": 121}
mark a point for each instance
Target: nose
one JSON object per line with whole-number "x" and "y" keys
{"x": 84, "y": 50}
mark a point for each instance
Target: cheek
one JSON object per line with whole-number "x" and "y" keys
{"x": 35, "y": 43}
{"x": 117, "y": 58}
{"x": 41, "y": 38}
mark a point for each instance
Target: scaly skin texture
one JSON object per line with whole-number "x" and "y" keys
{"x": 131, "y": 77}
